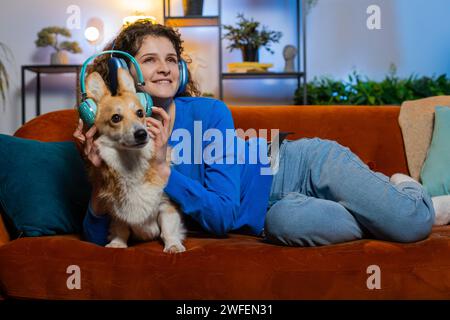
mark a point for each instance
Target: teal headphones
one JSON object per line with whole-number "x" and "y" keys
{"x": 88, "y": 108}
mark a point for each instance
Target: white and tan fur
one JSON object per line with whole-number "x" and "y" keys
{"x": 129, "y": 187}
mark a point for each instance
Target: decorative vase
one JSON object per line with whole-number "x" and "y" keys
{"x": 250, "y": 53}
{"x": 60, "y": 57}
{"x": 193, "y": 7}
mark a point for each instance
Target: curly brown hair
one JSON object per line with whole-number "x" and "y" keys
{"x": 130, "y": 39}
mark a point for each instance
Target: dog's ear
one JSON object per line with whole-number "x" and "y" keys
{"x": 96, "y": 87}
{"x": 126, "y": 82}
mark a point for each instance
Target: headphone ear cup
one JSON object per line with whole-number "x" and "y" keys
{"x": 184, "y": 76}
{"x": 88, "y": 110}
{"x": 146, "y": 101}
{"x": 114, "y": 64}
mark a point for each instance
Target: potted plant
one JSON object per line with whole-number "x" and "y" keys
{"x": 49, "y": 37}
{"x": 193, "y": 7}
{"x": 5, "y": 56}
{"x": 246, "y": 37}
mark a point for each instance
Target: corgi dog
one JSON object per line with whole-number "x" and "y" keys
{"x": 129, "y": 188}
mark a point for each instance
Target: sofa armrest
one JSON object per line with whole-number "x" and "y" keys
{"x": 50, "y": 127}
{"x": 4, "y": 235}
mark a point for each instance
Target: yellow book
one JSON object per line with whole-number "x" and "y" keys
{"x": 247, "y": 67}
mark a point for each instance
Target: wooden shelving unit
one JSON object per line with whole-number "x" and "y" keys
{"x": 192, "y": 21}
{"x": 215, "y": 21}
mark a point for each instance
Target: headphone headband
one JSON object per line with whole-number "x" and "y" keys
{"x": 141, "y": 81}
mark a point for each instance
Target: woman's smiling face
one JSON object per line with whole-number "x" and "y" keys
{"x": 159, "y": 65}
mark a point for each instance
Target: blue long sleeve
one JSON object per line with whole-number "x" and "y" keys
{"x": 215, "y": 202}
{"x": 95, "y": 227}
{"x": 215, "y": 210}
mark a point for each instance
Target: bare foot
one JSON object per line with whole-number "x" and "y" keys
{"x": 441, "y": 206}
{"x": 400, "y": 177}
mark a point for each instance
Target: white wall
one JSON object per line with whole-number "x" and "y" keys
{"x": 414, "y": 36}
{"x": 20, "y": 20}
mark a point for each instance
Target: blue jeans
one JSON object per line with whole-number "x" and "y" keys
{"x": 324, "y": 194}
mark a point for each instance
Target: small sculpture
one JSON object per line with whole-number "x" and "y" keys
{"x": 289, "y": 53}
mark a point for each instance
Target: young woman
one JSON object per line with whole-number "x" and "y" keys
{"x": 321, "y": 194}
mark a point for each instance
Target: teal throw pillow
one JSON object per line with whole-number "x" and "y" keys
{"x": 435, "y": 174}
{"x": 43, "y": 187}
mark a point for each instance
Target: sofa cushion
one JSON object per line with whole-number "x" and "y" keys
{"x": 435, "y": 173}
{"x": 237, "y": 267}
{"x": 416, "y": 122}
{"x": 43, "y": 187}
{"x": 372, "y": 132}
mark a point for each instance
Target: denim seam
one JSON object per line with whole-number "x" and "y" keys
{"x": 281, "y": 173}
{"x": 304, "y": 198}
{"x": 282, "y": 156}
{"x": 348, "y": 154}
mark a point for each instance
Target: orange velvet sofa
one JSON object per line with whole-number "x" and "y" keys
{"x": 239, "y": 266}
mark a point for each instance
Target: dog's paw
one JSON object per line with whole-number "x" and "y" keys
{"x": 174, "y": 248}
{"x": 116, "y": 244}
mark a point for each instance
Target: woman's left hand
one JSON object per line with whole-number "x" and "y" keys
{"x": 159, "y": 132}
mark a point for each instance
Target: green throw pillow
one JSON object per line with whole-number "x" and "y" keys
{"x": 43, "y": 187}
{"x": 435, "y": 172}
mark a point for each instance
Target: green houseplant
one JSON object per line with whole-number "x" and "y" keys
{"x": 246, "y": 37}
{"x": 49, "y": 37}
{"x": 360, "y": 90}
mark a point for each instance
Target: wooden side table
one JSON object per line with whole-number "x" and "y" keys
{"x": 39, "y": 69}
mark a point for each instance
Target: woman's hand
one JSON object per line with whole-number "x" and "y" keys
{"x": 90, "y": 148}
{"x": 159, "y": 131}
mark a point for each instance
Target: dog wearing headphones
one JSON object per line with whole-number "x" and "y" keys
{"x": 129, "y": 187}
